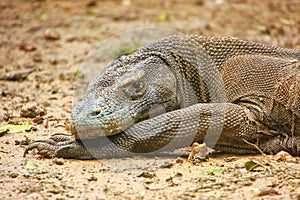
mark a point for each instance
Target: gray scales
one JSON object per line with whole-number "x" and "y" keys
{"x": 226, "y": 92}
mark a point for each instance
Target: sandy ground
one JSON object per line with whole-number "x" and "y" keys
{"x": 42, "y": 45}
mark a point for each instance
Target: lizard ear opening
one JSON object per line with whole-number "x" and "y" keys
{"x": 135, "y": 90}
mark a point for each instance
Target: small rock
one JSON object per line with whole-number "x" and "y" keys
{"x": 147, "y": 175}
{"x": 91, "y": 3}
{"x": 18, "y": 75}
{"x": 248, "y": 183}
{"x": 58, "y": 161}
{"x": 51, "y": 35}
{"x": 230, "y": 159}
{"x": 148, "y": 181}
{"x": 32, "y": 110}
{"x": 25, "y": 141}
{"x": 176, "y": 179}
{"x": 167, "y": 165}
{"x": 27, "y": 48}
{"x": 37, "y": 58}
{"x": 267, "y": 191}
{"x": 53, "y": 61}
{"x": 93, "y": 178}
{"x": 70, "y": 195}
{"x": 38, "y": 120}
{"x": 13, "y": 175}
{"x": 179, "y": 161}
{"x": 62, "y": 77}
{"x": 54, "y": 190}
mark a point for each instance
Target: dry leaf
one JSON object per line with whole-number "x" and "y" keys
{"x": 283, "y": 156}
{"x": 198, "y": 150}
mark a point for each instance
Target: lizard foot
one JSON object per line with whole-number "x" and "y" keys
{"x": 59, "y": 145}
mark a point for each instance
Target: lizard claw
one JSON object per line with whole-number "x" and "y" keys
{"x": 49, "y": 147}
{"x": 45, "y": 149}
{"x": 61, "y": 146}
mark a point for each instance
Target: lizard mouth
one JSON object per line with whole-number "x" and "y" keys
{"x": 93, "y": 129}
{"x": 89, "y": 132}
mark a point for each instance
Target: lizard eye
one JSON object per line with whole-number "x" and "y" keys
{"x": 135, "y": 90}
{"x": 139, "y": 85}
{"x": 96, "y": 112}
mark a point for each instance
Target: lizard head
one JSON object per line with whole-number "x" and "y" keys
{"x": 135, "y": 88}
{"x": 129, "y": 90}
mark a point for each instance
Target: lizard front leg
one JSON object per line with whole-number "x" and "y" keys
{"x": 59, "y": 145}
{"x": 219, "y": 125}
{"x": 223, "y": 126}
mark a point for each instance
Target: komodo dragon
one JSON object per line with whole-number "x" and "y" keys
{"x": 236, "y": 96}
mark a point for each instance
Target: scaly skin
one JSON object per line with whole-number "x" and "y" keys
{"x": 181, "y": 89}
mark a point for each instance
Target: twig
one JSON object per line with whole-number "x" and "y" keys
{"x": 254, "y": 145}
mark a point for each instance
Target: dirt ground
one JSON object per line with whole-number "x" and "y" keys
{"x": 42, "y": 45}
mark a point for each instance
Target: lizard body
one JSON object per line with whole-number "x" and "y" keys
{"x": 181, "y": 89}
